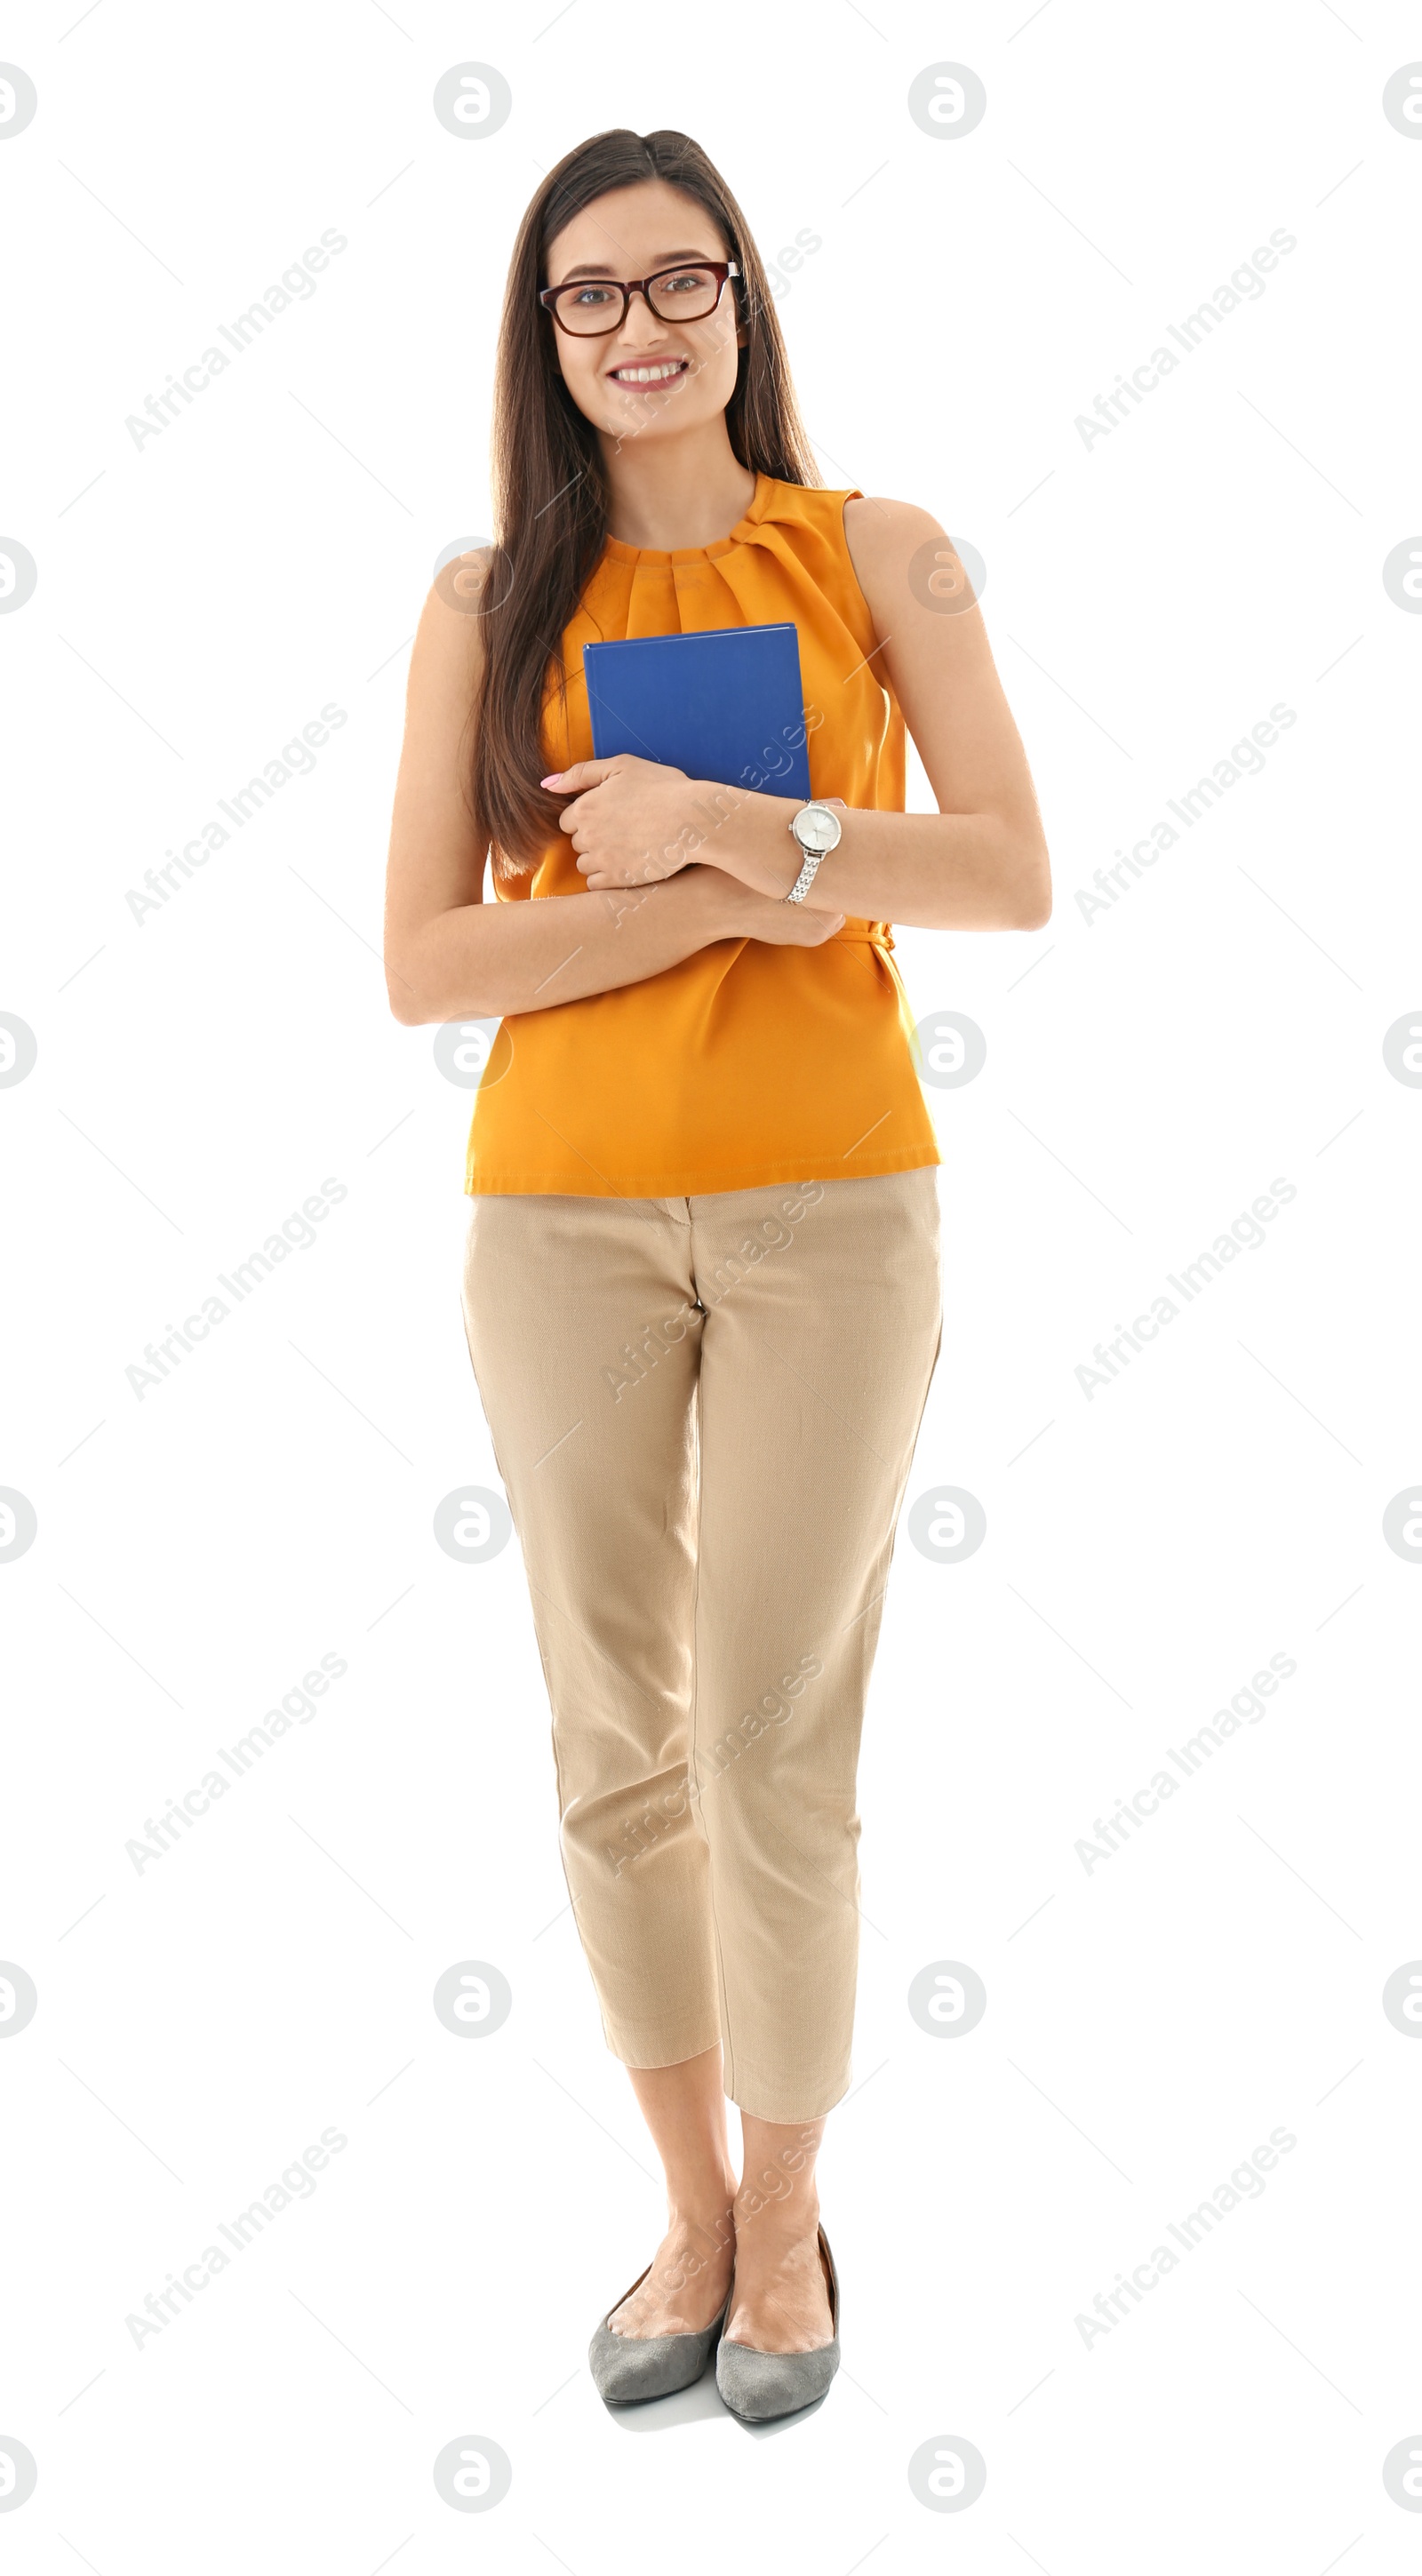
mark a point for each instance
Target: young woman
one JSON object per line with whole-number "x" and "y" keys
{"x": 701, "y": 1288}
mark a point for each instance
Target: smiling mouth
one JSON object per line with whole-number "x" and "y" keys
{"x": 660, "y": 371}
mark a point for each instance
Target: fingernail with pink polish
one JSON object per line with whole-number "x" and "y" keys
{"x": 552, "y": 778}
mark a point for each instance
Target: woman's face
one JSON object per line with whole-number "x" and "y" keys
{"x": 632, "y": 232}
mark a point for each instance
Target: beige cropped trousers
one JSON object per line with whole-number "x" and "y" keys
{"x": 704, "y": 1412}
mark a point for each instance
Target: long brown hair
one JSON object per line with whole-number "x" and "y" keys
{"x": 549, "y": 485}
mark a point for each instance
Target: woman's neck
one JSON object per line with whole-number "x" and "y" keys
{"x": 672, "y": 494}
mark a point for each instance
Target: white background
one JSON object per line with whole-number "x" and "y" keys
{"x": 1149, "y": 1072}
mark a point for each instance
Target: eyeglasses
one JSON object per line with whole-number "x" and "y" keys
{"x": 591, "y": 307}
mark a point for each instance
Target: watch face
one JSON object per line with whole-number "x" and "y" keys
{"x": 817, "y": 830}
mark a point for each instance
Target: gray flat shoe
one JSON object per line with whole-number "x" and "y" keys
{"x": 627, "y": 2368}
{"x": 758, "y": 2386}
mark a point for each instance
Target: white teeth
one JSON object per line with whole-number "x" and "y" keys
{"x": 648, "y": 375}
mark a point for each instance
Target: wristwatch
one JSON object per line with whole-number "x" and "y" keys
{"x": 817, "y": 829}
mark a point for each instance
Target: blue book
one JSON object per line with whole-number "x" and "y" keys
{"x": 726, "y": 704}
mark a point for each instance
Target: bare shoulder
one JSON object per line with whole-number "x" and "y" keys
{"x": 449, "y": 644}
{"x": 462, "y": 584}
{"x": 881, "y": 533}
{"x": 872, "y": 521}
{"x": 897, "y": 544}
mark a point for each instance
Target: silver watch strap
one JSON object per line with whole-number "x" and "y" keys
{"x": 806, "y": 877}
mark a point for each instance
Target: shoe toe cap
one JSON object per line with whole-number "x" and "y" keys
{"x": 628, "y": 2367}
{"x": 759, "y": 2386}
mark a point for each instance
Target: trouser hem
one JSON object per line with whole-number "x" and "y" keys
{"x": 647, "y": 2053}
{"x": 787, "y": 2106}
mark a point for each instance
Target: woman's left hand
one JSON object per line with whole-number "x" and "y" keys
{"x": 630, "y": 821}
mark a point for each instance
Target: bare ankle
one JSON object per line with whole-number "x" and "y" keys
{"x": 705, "y": 2217}
{"x": 699, "y": 2191}
{"x": 760, "y": 2220}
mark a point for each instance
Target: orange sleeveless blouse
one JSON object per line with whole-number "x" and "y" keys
{"x": 745, "y": 1064}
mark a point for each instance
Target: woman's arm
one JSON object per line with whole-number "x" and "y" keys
{"x": 979, "y": 863}
{"x": 450, "y": 955}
